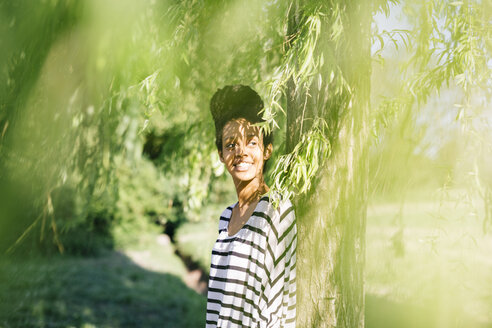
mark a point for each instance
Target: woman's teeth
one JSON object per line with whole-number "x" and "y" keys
{"x": 243, "y": 165}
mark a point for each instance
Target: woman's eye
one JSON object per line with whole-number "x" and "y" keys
{"x": 252, "y": 142}
{"x": 231, "y": 145}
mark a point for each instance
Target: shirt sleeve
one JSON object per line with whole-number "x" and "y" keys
{"x": 279, "y": 301}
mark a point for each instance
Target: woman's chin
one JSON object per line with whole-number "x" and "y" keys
{"x": 242, "y": 176}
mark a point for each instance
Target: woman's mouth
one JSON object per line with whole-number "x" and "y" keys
{"x": 242, "y": 166}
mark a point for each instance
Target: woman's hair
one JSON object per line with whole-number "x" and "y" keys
{"x": 234, "y": 102}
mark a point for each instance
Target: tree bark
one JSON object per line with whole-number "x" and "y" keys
{"x": 332, "y": 216}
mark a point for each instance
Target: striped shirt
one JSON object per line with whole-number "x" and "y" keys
{"x": 253, "y": 273}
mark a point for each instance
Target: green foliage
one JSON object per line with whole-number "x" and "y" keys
{"x": 80, "y": 123}
{"x": 308, "y": 65}
{"x": 143, "y": 202}
{"x": 84, "y": 235}
{"x": 295, "y": 171}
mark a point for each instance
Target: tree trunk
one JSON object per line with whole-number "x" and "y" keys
{"x": 332, "y": 217}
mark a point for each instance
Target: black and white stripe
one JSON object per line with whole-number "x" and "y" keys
{"x": 253, "y": 273}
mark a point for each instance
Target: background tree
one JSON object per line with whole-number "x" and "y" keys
{"x": 332, "y": 214}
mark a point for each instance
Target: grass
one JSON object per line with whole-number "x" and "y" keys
{"x": 135, "y": 288}
{"x": 428, "y": 262}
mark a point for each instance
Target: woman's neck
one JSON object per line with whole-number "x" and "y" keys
{"x": 249, "y": 192}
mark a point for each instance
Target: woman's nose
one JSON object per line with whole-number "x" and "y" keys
{"x": 239, "y": 150}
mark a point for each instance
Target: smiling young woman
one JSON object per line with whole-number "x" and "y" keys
{"x": 252, "y": 273}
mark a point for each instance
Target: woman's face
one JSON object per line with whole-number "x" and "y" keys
{"x": 242, "y": 150}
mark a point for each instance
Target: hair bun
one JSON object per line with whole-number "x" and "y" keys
{"x": 235, "y": 101}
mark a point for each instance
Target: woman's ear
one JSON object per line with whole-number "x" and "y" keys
{"x": 267, "y": 152}
{"x": 220, "y": 156}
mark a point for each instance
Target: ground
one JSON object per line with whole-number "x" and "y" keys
{"x": 132, "y": 288}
